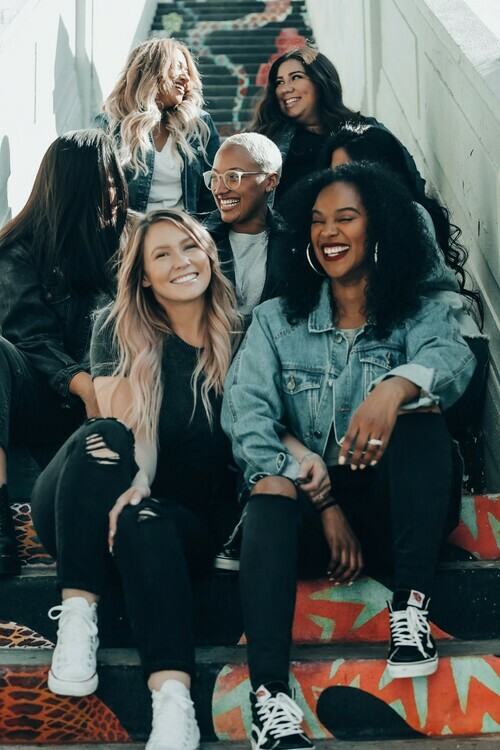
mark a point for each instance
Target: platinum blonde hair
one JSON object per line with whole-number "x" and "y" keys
{"x": 141, "y": 325}
{"x": 132, "y": 109}
{"x": 263, "y": 151}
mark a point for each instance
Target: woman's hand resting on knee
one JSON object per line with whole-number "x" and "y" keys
{"x": 313, "y": 478}
{"x": 346, "y": 558}
{"x": 132, "y": 496}
{"x": 373, "y": 421}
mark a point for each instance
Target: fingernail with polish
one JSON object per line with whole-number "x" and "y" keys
{"x": 341, "y": 440}
{"x": 341, "y": 460}
{"x": 350, "y": 583}
{"x": 374, "y": 463}
{"x": 353, "y": 467}
{"x": 135, "y": 501}
{"x": 362, "y": 466}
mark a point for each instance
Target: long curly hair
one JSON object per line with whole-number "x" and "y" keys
{"x": 332, "y": 112}
{"x": 405, "y": 255}
{"x": 132, "y": 109}
{"x": 371, "y": 143}
{"x": 141, "y": 325}
{"x": 76, "y": 211}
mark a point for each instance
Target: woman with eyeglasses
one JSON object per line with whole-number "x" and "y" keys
{"x": 249, "y": 235}
{"x": 165, "y": 138}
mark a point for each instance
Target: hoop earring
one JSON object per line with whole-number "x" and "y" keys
{"x": 375, "y": 254}
{"x": 308, "y": 248}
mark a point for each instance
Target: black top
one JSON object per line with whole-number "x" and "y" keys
{"x": 193, "y": 457}
{"x": 301, "y": 159}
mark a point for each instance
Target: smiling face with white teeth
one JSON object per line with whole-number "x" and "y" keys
{"x": 175, "y": 82}
{"x": 175, "y": 267}
{"x": 338, "y": 232}
{"x": 296, "y": 93}
{"x": 245, "y": 207}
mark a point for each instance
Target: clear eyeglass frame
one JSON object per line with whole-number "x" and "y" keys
{"x": 231, "y": 178}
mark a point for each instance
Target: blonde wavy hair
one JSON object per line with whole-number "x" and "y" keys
{"x": 141, "y": 325}
{"x": 131, "y": 107}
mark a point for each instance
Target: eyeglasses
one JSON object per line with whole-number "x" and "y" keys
{"x": 231, "y": 179}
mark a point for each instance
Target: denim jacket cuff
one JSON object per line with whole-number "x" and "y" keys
{"x": 61, "y": 380}
{"x": 284, "y": 466}
{"x": 421, "y": 377}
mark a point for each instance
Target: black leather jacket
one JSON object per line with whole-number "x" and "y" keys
{"x": 277, "y": 249}
{"x": 47, "y": 322}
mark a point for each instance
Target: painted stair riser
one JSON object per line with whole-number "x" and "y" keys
{"x": 466, "y": 605}
{"x": 354, "y": 698}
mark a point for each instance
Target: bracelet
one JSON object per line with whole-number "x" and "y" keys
{"x": 306, "y": 455}
{"x": 329, "y": 504}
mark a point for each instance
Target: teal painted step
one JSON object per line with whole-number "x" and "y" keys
{"x": 490, "y": 742}
{"x": 348, "y": 687}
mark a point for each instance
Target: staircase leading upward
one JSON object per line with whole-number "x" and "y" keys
{"x": 234, "y": 42}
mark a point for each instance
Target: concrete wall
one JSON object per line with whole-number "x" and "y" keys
{"x": 58, "y": 59}
{"x": 430, "y": 71}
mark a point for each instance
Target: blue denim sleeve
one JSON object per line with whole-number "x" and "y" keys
{"x": 438, "y": 359}
{"x": 28, "y": 322}
{"x": 252, "y": 408}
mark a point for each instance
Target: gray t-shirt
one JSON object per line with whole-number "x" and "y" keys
{"x": 250, "y": 261}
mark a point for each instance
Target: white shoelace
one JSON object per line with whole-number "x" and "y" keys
{"x": 281, "y": 718}
{"x": 172, "y": 715}
{"x": 70, "y": 644}
{"x": 407, "y": 627}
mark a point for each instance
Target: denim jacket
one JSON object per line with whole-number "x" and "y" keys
{"x": 47, "y": 322}
{"x": 276, "y": 251}
{"x": 303, "y": 378}
{"x": 195, "y": 196}
{"x": 284, "y": 139}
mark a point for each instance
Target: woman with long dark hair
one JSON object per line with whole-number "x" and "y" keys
{"x": 358, "y": 368}
{"x": 55, "y": 269}
{"x": 301, "y": 105}
{"x": 165, "y": 139}
{"x": 145, "y": 492}
{"x": 446, "y": 283}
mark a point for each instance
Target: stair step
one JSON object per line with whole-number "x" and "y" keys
{"x": 465, "y": 605}
{"x": 347, "y": 685}
{"x": 485, "y": 742}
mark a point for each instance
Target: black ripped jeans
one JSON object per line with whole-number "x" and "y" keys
{"x": 401, "y": 511}
{"x": 157, "y": 554}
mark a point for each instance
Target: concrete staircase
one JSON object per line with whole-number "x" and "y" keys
{"x": 338, "y": 661}
{"x": 234, "y": 42}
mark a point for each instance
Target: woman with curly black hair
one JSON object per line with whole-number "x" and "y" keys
{"x": 358, "y": 367}
{"x": 447, "y": 282}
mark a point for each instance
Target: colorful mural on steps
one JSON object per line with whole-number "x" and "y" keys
{"x": 29, "y": 712}
{"x": 198, "y": 38}
{"x": 462, "y": 697}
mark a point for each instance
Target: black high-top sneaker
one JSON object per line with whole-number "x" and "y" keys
{"x": 412, "y": 651}
{"x": 276, "y": 720}
{"x": 229, "y": 556}
{"x": 9, "y": 560}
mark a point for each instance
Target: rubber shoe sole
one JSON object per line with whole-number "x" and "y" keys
{"x": 227, "y": 563}
{"x": 413, "y": 669}
{"x": 72, "y": 687}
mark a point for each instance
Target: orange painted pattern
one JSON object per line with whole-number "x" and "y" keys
{"x": 461, "y": 698}
{"x": 479, "y": 527}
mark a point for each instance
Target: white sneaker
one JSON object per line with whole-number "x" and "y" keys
{"x": 73, "y": 670}
{"x": 174, "y": 721}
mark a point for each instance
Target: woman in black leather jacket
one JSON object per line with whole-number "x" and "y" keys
{"x": 54, "y": 271}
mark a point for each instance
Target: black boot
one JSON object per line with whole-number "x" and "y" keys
{"x": 9, "y": 560}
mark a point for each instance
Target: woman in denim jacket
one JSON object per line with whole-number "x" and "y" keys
{"x": 54, "y": 271}
{"x": 352, "y": 354}
{"x": 166, "y": 141}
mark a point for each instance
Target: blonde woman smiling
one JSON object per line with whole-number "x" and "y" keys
{"x": 166, "y": 140}
{"x": 149, "y": 481}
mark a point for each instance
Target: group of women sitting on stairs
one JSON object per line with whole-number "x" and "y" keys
{"x": 326, "y": 346}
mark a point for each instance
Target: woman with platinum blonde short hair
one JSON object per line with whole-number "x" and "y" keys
{"x": 250, "y": 236}
{"x": 146, "y": 487}
{"x": 166, "y": 140}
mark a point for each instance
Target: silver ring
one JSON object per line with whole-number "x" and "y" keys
{"x": 375, "y": 441}
{"x": 321, "y": 497}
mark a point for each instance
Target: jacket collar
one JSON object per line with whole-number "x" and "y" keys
{"x": 320, "y": 319}
{"x": 214, "y": 224}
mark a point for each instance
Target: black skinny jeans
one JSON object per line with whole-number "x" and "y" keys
{"x": 401, "y": 511}
{"x": 156, "y": 557}
{"x": 31, "y": 413}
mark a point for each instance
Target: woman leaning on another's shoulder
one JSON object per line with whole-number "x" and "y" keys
{"x": 166, "y": 140}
